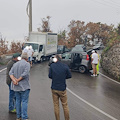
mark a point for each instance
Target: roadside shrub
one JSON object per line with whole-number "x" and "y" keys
{"x": 3, "y": 47}
{"x": 16, "y": 47}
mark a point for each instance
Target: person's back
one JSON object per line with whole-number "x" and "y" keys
{"x": 30, "y": 52}
{"x": 59, "y": 72}
{"x": 95, "y": 58}
{"x": 94, "y": 63}
{"x": 21, "y": 69}
{"x": 9, "y": 66}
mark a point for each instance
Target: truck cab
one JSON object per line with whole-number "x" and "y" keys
{"x": 38, "y": 50}
{"x": 43, "y": 44}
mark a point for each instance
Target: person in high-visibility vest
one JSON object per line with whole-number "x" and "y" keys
{"x": 97, "y": 67}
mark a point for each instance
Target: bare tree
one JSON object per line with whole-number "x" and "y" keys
{"x": 76, "y": 31}
{"x": 3, "y": 46}
{"x": 45, "y": 27}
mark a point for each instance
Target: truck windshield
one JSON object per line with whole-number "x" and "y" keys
{"x": 34, "y": 46}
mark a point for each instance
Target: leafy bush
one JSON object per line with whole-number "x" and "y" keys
{"x": 14, "y": 47}
{"x": 3, "y": 47}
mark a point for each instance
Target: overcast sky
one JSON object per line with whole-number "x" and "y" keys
{"x": 14, "y": 20}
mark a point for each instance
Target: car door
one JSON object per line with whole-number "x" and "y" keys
{"x": 66, "y": 58}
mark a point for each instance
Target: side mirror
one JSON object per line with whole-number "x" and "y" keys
{"x": 40, "y": 48}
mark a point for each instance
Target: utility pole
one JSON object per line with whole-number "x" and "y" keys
{"x": 30, "y": 17}
{"x": 29, "y": 13}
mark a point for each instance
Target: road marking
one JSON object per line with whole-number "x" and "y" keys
{"x": 109, "y": 78}
{"x": 106, "y": 114}
{"x": 3, "y": 69}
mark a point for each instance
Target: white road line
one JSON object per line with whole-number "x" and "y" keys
{"x": 106, "y": 114}
{"x": 109, "y": 78}
{"x": 3, "y": 69}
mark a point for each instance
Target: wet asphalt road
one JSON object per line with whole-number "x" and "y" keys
{"x": 89, "y": 98}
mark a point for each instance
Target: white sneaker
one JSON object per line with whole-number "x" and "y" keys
{"x": 93, "y": 75}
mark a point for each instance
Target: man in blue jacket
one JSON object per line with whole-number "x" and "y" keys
{"x": 59, "y": 72}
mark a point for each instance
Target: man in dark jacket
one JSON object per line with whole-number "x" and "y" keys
{"x": 59, "y": 72}
{"x": 8, "y": 81}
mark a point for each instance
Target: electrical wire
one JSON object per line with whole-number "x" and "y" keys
{"x": 113, "y": 3}
{"x": 103, "y": 2}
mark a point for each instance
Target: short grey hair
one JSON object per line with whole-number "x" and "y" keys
{"x": 24, "y": 56}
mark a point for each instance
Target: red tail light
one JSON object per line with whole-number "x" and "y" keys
{"x": 87, "y": 57}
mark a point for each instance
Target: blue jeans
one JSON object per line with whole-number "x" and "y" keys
{"x": 11, "y": 99}
{"x": 22, "y": 103}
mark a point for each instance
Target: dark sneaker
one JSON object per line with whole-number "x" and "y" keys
{"x": 13, "y": 111}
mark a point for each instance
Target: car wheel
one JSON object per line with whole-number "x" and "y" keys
{"x": 82, "y": 69}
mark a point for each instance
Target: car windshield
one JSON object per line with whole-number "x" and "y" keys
{"x": 34, "y": 46}
{"x": 66, "y": 56}
{"x": 77, "y": 48}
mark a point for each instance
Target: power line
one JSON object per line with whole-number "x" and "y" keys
{"x": 113, "y": 3}
{"x": 105, "y": 3}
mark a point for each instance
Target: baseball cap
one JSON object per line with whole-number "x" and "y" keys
{"x": 15, "y": 55}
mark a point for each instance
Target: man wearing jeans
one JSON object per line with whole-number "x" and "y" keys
{"x": 59, "y": 73}
{"x": 19, "y": 74}
{"x": 12, "y": 107}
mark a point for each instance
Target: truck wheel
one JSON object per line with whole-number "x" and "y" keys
{"x": 41, "y": 59}
{"x": 82, "y": 69}
{"x": 35, "y": 61}
{"x": 48, "y": 58}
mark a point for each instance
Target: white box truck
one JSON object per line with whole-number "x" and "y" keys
{"x": 43, "y": 44}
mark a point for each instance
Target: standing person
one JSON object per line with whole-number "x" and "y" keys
{"x": 19, "y": 74}
{"x": 94, "y": 63}
{"x": 59, "y": 72}
{"x": 12, "y": 108}
{"x": 25, "y": 50}
{"x": 97, "y": 67}
{"x": 30, "y": 53}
